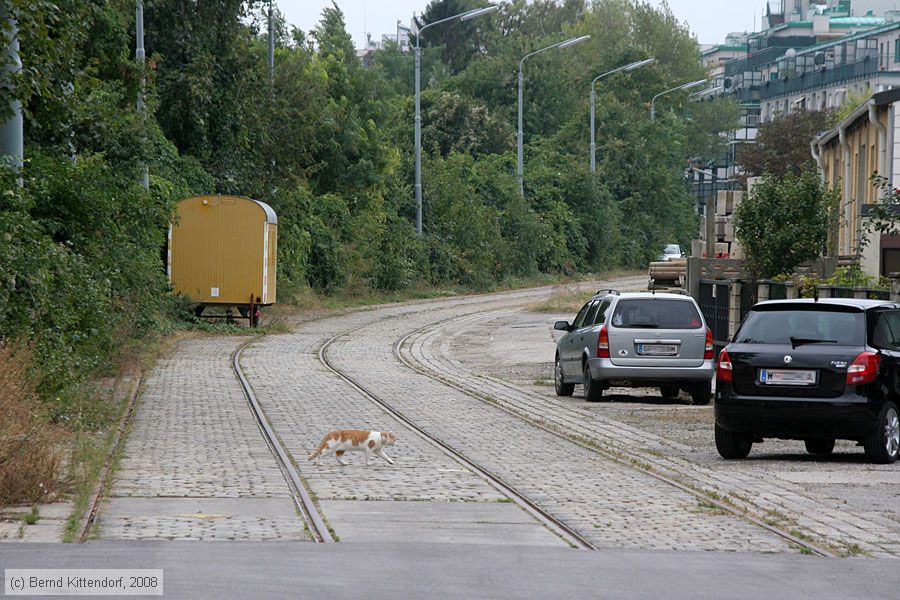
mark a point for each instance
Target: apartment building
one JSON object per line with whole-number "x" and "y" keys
{"x": 865, "y": 143}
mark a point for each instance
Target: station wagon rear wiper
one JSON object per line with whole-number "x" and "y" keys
{"x": 800, "y": 341}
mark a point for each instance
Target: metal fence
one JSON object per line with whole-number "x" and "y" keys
{"x": 714, "y": 302}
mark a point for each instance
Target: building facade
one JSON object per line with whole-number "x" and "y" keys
{"x": 865, "y": 144}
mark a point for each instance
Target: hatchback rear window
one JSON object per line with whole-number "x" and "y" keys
{"x": 657, "y": 313}
{"x": 819, "y": 325}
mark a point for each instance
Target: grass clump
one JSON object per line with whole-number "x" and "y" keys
{"x": 30, "y": 452}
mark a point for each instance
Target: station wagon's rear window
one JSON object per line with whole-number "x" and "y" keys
{"x": 656, "y": 313}
{"x": 820, "y": 325}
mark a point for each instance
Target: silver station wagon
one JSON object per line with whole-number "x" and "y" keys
{"x": 636, "y": 340}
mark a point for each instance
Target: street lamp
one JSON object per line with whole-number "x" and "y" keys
{"x": 471, "y": 14}
{"x": 628, "y": 67}
{"x": 558, "y": 45}
{"x": 704, "y": 93}
{"x": 140, "y": 56}
{"x": 685, "y": 86}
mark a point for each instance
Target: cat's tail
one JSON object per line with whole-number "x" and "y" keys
{"x": 321, "y": 448}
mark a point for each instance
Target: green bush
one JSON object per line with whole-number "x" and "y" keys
{"x": 784, "y": 223}
{"x": 399, "y": 260}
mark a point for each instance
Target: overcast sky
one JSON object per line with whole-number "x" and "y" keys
{"x": 710, "y": 21}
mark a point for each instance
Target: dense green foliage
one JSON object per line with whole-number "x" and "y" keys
{"x": 784, "y": 223}
{"x": 329, "y": 146}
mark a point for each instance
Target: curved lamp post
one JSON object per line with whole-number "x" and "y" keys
{"x": 558, "y": 45}
{"x": 628, "y": 67}
{"x": 418, "y": 126}
{"x": 684, "y": 86}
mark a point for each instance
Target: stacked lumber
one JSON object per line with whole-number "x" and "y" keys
{"x": 668, "y": 273}
{"x": 717, "y": 230}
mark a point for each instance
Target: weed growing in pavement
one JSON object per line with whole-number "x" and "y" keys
{"x": 711, "y": 509}
{"x": 32, "y": 517}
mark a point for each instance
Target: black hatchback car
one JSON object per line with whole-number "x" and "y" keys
{"x": 814, "y": 371}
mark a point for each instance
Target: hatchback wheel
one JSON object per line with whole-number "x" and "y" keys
{"x": 669, "y": 390}
{"x": 821, "y": 447}
{"x": 562, "y": 388}
{"x": 732, "y": 445}
{"x": 701, "y": 393}
{"x": 883, "y": 444}
{"x": 593, "y": 390}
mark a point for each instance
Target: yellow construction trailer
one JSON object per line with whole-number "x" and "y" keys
{"x": 223, "y": 252}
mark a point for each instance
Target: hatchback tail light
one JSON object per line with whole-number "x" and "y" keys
{"x": 603, "y": 343}
{"x": 708, "y": 350}
{"x": 863, "y": 369}
{"x": 724, "y": 370}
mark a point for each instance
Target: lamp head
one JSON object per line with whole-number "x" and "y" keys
{"x": 639, "y": 64}
{"x": 478, "y": 12}
{"x": 573, "y": 41}
{"x": 692, "y": 84}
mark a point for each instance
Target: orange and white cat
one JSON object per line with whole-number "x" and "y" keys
{"x": 348, "y": 440}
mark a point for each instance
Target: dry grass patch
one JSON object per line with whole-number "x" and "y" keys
{"x": 566, "y": 299}
{"x": 30, "y": 446}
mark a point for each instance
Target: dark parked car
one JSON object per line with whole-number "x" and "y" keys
{"x": 814, "y": 371}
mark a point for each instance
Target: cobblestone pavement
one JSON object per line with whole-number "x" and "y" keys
{"x": 425, "y": 495}
{"x": 610, "y": 504}
{"x": 195, "y": 464}
{"x": 840, "y": 502}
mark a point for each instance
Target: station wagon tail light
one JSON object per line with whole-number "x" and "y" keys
{"x": 603, "y": 343}
{"x": 863, "y": 369}
{"x": 708, "y": 349}
{"x": 724, "y": 370}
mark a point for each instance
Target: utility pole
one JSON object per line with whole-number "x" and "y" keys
{"x": 271, "y": 97}
{"x": 417, "y": 123}
{"x": 12, "y": 144}
{"x": 271, "y": 50}
{"x": 140, "y": 57}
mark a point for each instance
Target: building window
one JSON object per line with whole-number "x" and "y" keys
{"x": 897, "y": 50}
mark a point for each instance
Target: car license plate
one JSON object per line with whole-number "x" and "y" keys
{"x": 657, "y": 349}
{"x": 787, "y": 377}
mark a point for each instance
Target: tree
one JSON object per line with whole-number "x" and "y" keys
{"x": 784, "y": 222}
{"x": 461, "y": 40}
{"x": 782, "y": 144}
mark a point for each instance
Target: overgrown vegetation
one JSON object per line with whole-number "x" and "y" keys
{"x": 29, "y": 457}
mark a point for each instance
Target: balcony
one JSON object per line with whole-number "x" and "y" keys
{"x": 816, "y": 79}
{"x": 761, "y": 57}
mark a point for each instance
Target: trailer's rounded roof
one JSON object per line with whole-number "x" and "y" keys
{"x": 271, "y": 217}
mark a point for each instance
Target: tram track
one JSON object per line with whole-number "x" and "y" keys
{"x": 617, "y": 454}
{"x": 301, "y": 497}
{"x": 554, "y": 524}
{"x": 299, "y": 494}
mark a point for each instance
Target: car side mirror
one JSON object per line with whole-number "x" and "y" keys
{"x": 562, "y": 326}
